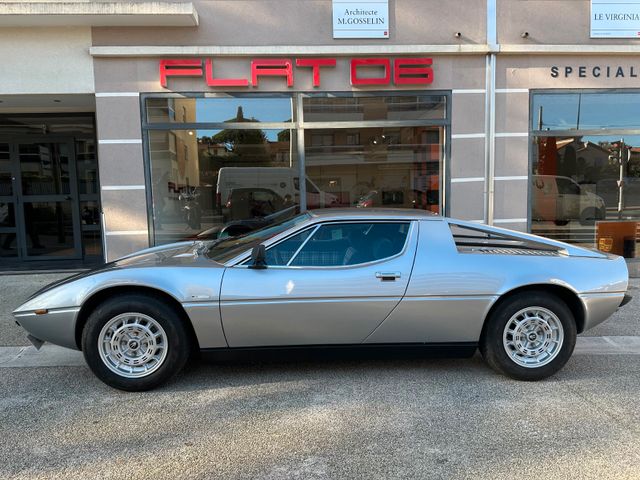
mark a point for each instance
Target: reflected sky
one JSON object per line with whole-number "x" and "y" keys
{"x": 591, "y": 111}
{"x": 225, "y": 109}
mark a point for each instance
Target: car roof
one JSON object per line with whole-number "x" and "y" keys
{"x": 374, "y": 213}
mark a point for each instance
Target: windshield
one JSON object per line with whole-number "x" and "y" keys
{"x": 224, "y": 250}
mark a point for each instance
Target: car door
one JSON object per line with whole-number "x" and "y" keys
{"x": 332, "y": 283}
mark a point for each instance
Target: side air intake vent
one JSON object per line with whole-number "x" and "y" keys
{"x": 479, "y": 240}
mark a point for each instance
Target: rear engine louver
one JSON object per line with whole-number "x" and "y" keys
{"x": 481, "y": 241}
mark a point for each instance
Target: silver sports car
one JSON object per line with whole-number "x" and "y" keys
{"x": 360, "y": 278}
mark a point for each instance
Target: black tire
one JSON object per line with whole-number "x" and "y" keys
{"x": 178, "y": 343}
{"x": 561, "y": 223}
{"x": 491, "y": 342}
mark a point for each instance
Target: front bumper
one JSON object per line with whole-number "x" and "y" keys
{"x": 56, "y": 326}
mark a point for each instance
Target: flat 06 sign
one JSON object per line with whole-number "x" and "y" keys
{"x": 375, "y": 71}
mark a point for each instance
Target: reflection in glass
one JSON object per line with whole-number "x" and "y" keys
{"x": 8, "y": 246}
{"x": 580, "y": 188}
{"x": 211, "y": 179}
{"x": 375, "y": 167}
{"x": 604, "y": 110}
{"x": 6, "y": 187}
{"x": 363, "y": 108}
{"x": 7, "y": 215}
{"x": 44, "y": 168}
{"x": 43, "y": 124}
{"x": 49, "y": 228}
{"x": 555, "y": 111}
{"x": 229, "y": 181}
{"x": 218, "y": 110}
{"x": 90, "y": 213}
{"x": 92, "y": 243}
{"x": 87, "y": 166}
{"x": 585, "y": 111}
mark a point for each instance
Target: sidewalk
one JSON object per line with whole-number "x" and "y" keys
{"x": 15, "y": 289}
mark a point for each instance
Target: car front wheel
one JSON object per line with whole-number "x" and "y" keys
{"x": 135, "y": 342}
{"x": 529, "y": 336}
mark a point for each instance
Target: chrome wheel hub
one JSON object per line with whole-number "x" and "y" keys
{"x": 533, "y": 337}
{"x": 132, "y": 345}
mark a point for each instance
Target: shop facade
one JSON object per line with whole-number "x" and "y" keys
{"x": 487, "y": 111}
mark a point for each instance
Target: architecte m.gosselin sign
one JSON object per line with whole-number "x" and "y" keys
{"x": 360, "y": 19}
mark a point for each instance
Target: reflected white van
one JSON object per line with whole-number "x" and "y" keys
{"x": 281, "y": 180}
{"x": 561, "y": 199}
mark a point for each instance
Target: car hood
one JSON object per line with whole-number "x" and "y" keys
{"x": 173, "y": 253}
{"x": 181, "y": 254}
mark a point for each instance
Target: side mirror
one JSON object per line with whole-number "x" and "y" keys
{"x": 258, "y": 258}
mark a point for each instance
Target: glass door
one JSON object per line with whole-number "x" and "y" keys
{"x": 8, "y": 230}
{"x": 48, "y": 225}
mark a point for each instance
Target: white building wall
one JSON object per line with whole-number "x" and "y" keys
{"x": 46, "y": 60}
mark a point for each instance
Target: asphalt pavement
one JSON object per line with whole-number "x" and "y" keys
{"x": 376, "y": 418}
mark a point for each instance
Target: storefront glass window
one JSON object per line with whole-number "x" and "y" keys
{"x": 235, "y": 165}
{"x": 586, "y": 111}
{"x": 585, "y": 187}
{"x": 395, "y": 167}
{"x": 204, "y": 180}
{"x": 364, "y": 108}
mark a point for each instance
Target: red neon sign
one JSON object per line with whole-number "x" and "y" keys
{"x": 315, "y": 64}
{"x": 399, "y": 71}
{"x": 412, "y": 71}
{"x": 179, "y": 68}
{"x": 271, "y": 67}
{"x": 220, "y": 82}
{"x": 370, "y": 62}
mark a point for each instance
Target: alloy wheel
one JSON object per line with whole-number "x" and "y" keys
{"x": 132, "y": 345}
{"x": 533, "y": 337}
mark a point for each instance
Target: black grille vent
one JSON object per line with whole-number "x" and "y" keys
{"x": 481, "y": 241}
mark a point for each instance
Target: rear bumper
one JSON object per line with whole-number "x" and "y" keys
{"x": 599, "y": 306}
{"x": 627, "y": 298}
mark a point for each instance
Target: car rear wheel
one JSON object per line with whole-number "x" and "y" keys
{"x": 529, "y": 336}
{"x": 135, "y": 342}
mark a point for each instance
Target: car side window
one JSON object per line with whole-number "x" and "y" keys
{"x": 281, "y": 253}
{"x": 343, "y": 244}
